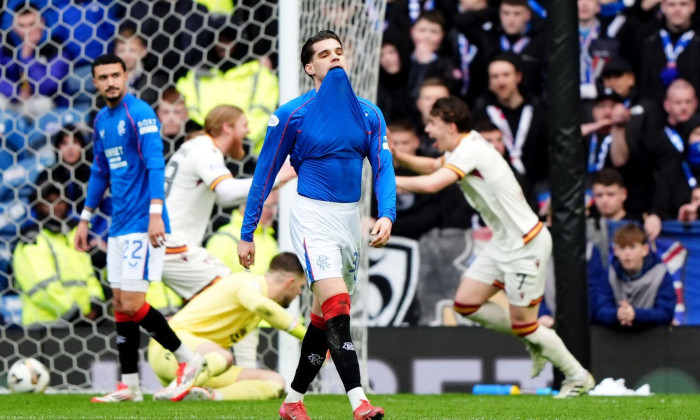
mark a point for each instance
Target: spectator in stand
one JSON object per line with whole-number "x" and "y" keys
{"x": 673, "y": 176}
{"x": 519, "y": 117}
{"x": 72, "y": 169}
{"x": 401, "y": 15}
{"x": 637, "y": 291}
{"x": 689, "y": 211}
{"x": 428, "y": 58}
{"x": 645, "y": 117}
{"x": 670, "y": 51}
{"x": 605, "y": 137}
{"x": 392, "y": 96}
{"x": 416, "y": 213}
{"x": 603, "y": 32}
{"x": 178, "y": 31}
{"x": 131, "y": 48}
{"x": 56, "y": 282}
{"x": 608, "y": 211}
{"x": 175, "y": 122}
{"x": 474, "y": 26}
{"x": 517, "y": 36}
{"x": 34, "y": 66}
{"x": 250, "y": 86}
{"x": 430, "y": 91}
{"x": 71, "y": 172}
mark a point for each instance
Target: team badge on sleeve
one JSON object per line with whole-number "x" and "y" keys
{"x": 274, "y": 120}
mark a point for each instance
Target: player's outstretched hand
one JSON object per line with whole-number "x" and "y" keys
{"x": 81, "y": 237}
{"x": 156, "y": 230}
{"x": 381, "y": 232}
{"x": 246, "y": 253}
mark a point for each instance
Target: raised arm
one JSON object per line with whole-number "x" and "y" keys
{"x": 418, "y": 164}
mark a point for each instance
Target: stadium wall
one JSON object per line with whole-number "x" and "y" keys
{"x": 422, "y": 360}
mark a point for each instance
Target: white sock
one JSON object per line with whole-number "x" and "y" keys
{"x": 356, "y": 395}
{"x": 131, "y": 380}
{"x": 294, "y": 397}
{"x": 493, "y": 316}
{"x": 554, "y": 350}
{"x": 184, "y": 354}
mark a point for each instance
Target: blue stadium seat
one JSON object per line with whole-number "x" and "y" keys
{"x": 50, "y": 123}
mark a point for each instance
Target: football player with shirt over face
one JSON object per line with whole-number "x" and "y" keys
{"x": 327, "y": 133}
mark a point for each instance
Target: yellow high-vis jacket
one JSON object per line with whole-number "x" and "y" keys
{"x": 54, "y": 278}
{"x": 250, "y": 86}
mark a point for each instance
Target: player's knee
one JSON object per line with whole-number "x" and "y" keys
{"x": 135, "y": 310}
{"x": 524, "y": 329}
{"x": 318, "y": 322}
{"x": 465, "y": 309}
{"x": 335, "y": 306}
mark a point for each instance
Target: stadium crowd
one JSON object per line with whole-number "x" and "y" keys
{"x": 638, "y": 82}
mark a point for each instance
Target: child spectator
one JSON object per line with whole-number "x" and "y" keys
{"x": 637, "y": 291}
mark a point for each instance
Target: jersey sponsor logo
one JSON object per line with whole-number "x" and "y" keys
{"x": 121, "y": 128}
{"x": 274, "y": 121}
{"x": 348, "y": 346}
{"x": 149, "y": 125}
{"x": 114, "y": 156}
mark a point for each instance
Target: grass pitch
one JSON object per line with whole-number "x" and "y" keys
{"x": 332, "y": 407}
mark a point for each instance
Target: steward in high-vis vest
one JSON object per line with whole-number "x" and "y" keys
{"x": 250, "y": 86}
{"x": 56, "y": 282}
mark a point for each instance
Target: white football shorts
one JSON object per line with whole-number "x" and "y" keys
{"x": 521, "y": 273}
{"x": 188, "y": 270}
{"x": 132, "y": 262}
{"x": 326, "y": 238}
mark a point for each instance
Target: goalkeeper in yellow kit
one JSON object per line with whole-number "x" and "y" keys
{"x": 220, "y": 316}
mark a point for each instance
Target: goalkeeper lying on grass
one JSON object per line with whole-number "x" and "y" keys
{"x": 222, "y": 315}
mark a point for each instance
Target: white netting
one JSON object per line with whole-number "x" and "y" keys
{"x": 181, "y": 38}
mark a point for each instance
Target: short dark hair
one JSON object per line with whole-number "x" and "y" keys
{"x": 434, "y": 81}
{"x": 433, "y": 16}
{"x": 25, "y": 9}
{"x": 307, "y": 50}
{"x": 107, "y": 59}
{"x": 522, "y": 3}
{"x": 629, "y": 234}
{"x": 485, "y": 126}
{"x": 286, "y": 261}
{"x": 453, "y": 110}
{"x": 401, "y": 126}
{"x": 508, "y": 57}
{"x": 608, "y": 177}
{"x": 69, "y": 130}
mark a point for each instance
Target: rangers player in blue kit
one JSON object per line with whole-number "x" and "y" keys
{"x": 328, "y": 132}
{"x": 128, "y": 158}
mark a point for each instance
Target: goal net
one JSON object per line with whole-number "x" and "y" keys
{"x": 78, "y": 350}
